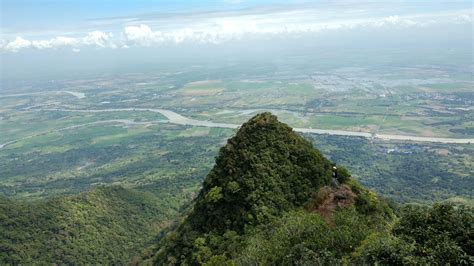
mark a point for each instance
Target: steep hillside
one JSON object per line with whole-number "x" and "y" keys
{"x": 262, "y": 173}
{"x": 107, "y": 225}
{"x": 268, "y": 201}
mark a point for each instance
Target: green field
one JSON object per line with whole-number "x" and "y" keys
{"x": 48, "y": 150}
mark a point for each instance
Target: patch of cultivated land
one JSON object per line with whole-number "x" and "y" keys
{"x": 138, "y": 129}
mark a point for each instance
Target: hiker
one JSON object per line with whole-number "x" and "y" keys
{"x": 334, "y": 177}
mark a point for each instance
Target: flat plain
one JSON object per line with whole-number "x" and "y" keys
{"x": 61, "y": 137}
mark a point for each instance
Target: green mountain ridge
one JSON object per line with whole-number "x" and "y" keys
{"x": 106, "y": 225}
{"x": 265, "y": 171}
{"x": 267, "y": 201}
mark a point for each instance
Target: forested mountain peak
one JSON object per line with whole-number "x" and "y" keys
{"x": 270, "y": 200}
{"x": 263, "y": 170}
{"x": 266, "y": 169}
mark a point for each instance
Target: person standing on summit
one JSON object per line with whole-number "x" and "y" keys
{"x": 334, "y": 177}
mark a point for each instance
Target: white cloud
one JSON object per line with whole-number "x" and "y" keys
{"x": 94, "y": 38}
{"x": 99, "y": 39}
{"x": 142, "y": 35}
{"x": 464, "y": 18}
{"x": 55, "y": 42}
{"x": 17, "y": 44}
{"x": 218, "y": 27}
{"x": 233, "y": 26}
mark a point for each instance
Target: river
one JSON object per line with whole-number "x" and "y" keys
{"x": 176, "y": 118}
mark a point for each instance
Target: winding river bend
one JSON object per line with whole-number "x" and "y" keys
{"x": 175, "y": 118}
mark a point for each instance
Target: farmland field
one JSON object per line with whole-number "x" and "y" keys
{"x": 63, "y": 137}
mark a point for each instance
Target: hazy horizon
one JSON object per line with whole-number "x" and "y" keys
{"x": 49, "y": 39}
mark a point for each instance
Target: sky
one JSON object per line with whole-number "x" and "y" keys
{"x": 33, "y": 30}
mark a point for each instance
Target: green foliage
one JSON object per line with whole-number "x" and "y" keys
{"x": 158, "y": 152}
{"x": 303, "y": 238}
{"x": 404, "y": 172}
{"x": 262, "y": 172}
{"x": 248, "y": 212}
{"x": 287, "y": 238}
{"x": 367, "y": 202}
{"x": 266, "y": 169}
{"x": 435, "y": 235}
{"x": 343, "y": 175}
{"x": 443, "y": 231}
{"x": 214, "y": 195}
{"x": 107, "y": 225}
{"x": 386, "y": 250}
{"x": 441, "y": 234}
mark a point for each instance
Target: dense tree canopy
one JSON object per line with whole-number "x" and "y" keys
{"x": 107, "y": 225}
{"x": 265, "y": 170}
{"x": 266, "y": 202}
{"x": 442, "y": 234}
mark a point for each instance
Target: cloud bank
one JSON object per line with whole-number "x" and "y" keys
{"x": 216, "y": 28}
{"x": 94, "y": 39}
